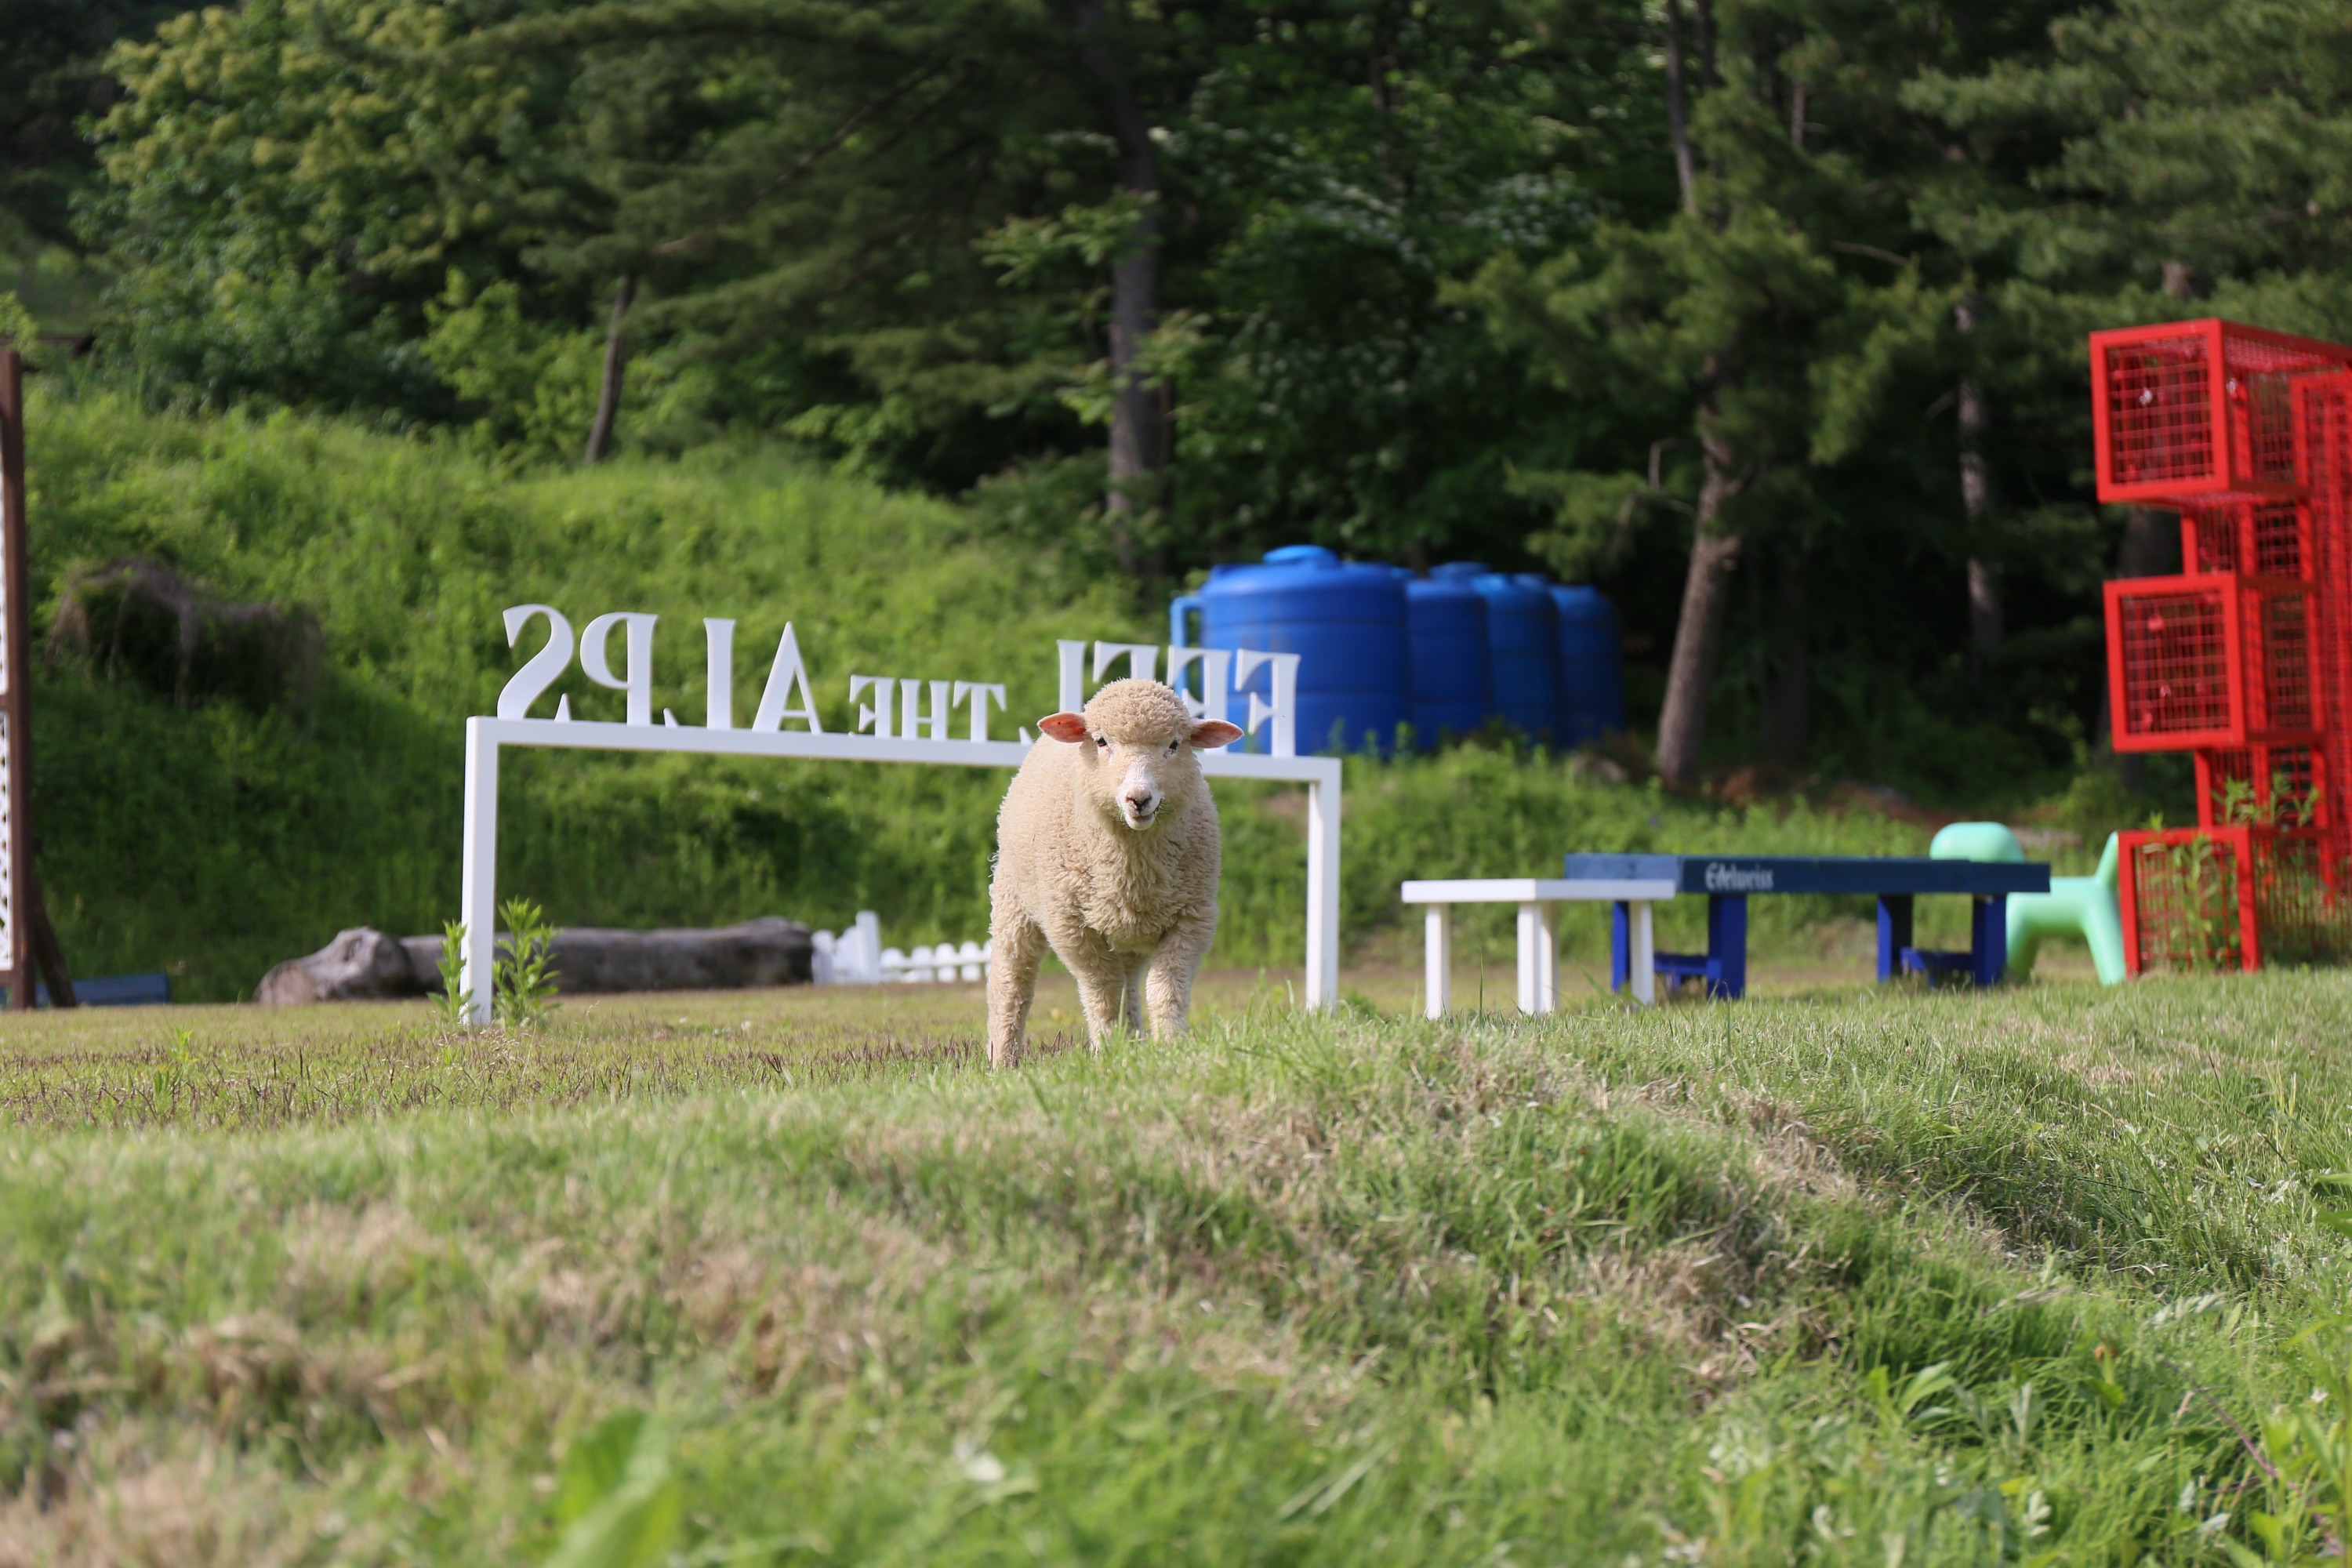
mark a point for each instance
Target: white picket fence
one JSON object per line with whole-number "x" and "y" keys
{"x": 857, "y": 957}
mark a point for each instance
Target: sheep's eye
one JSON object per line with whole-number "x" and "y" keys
{"x": 1102, "y": 743}
{"x": 1172, "y": 748}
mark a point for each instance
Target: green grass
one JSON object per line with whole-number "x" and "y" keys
{"x": 1837, "y": 1276}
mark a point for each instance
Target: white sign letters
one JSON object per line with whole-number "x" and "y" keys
{"x": 888, "y": 706}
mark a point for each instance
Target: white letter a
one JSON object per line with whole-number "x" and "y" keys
{"x": 784, "y": 675}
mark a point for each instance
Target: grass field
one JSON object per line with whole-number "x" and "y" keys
{"x": 789, "y": 1278}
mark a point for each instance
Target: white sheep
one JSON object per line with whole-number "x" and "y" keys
{"x": 1106, "y": 851}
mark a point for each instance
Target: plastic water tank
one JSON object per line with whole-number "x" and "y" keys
{"x": 1446, "y": 620}
{"x": 1522, "y": 644}
{"x": 1591, "y": 665}
{"x": 1346, "y": 620}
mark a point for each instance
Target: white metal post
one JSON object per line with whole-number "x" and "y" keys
{"x": 478, "y": 901}
{"x": 1323, "y": 888}
{"x": 1547, "y": 957}
{"x": 1530, "y": 984}
{"x": 1642, "y": 958}
{"x": 1437, "y": 959}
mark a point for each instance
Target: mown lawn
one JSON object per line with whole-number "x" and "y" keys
{"x": 790, "y": 1278}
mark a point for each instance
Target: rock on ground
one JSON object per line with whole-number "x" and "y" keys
{"x": 360, "y": 963}
{"x": 359, "y": 966}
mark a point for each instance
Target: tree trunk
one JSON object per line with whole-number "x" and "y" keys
{"x": 2151, "y": 546}
{"x": 1699, "y": 632}
{"x": 616, "y": 360}
{"x": 1138, "y": 450}
{"x": 1678, "y": 112}
{"x": 1984, "y": 607}
{"x": 1976, "y": 503}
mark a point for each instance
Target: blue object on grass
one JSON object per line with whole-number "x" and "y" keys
{"x": 151, "y": 989}
{"x": 1729, "y": 880}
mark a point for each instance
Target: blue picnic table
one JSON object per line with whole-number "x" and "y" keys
{"x": 1730, "y": 881}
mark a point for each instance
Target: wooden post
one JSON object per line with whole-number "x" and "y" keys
{"x": 15, "y": 849}
{"x": 25, "y": 938}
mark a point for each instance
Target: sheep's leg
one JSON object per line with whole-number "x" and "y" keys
{"x": 1101, "y": 974}
{"x": 1172, "y": 966}
{"x": 1015, "y": 947}
{"x": 1131, "y": 1000}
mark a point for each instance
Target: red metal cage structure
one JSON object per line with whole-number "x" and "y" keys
{"x": 2195, "y": 409}
{"x": 2244, "y": 658}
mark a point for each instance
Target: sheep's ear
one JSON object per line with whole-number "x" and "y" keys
{"x": 1066, "y": 726}
{"x": 1211, "y": 733}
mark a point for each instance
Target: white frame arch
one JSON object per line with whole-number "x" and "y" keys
{"x": 485, "y": 737}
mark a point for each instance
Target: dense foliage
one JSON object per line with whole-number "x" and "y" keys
{"x": 1765, "y": 314}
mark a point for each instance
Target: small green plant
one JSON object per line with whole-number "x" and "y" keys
{"x": 450, "y": 1006}
{"x": 2295, "y": 905}
{"x": 2286, "y": 807}
{"x": 2199, "y": 928}
{"x": 523, "y": 978}
{"x": 2306, "y": 1463}
{"x": 171, "y": 1074}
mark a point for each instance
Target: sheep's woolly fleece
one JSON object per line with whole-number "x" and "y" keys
{"x": 1129, "y": 910}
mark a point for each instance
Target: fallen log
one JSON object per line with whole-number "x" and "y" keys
{"x": 363, "y": 964}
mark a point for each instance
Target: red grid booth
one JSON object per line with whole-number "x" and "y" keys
{"x": 2241, "y": 659}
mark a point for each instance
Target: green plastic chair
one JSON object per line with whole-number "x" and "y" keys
{"x": 2074, "y": 906}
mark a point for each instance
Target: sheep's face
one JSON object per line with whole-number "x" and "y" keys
{"x": 1136, "y": 743}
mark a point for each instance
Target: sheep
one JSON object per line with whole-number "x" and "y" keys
{"x": 1106, "y": 851}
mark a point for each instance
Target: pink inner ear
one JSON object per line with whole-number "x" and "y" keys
{"x": 1211, "y": 733}
{"x": 1064, "y": 726}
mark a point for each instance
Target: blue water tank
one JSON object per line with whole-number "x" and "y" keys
{"x": 1447, "y": 620}
{"x": 1591, "y": 665}
{"x": 1522, "y": 645}
{"x": 1346, "y": 620}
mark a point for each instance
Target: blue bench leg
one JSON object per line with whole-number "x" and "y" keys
{"x": 1988, "y": 939}
{"x": 1894, "y": 933}
{"x": 1621, "y": 946}
{"x": 1726, "y": 944}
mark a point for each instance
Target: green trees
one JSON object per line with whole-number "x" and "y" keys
{"x": 57, "y": 74}
{"x": 936, "y": 238}
{"x": 1353, "y": 167}
{"x": 1778, "y": 326}
{"x": 1766, "y": 314}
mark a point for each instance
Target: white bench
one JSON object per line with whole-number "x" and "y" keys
{"x": 1538, "y": 930}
